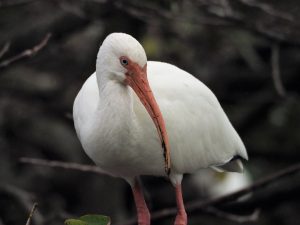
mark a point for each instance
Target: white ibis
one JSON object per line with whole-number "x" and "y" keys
{"x": 137, "y": 117}
{"x": 211, "y": 183}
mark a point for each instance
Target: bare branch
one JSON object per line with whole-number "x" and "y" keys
{"x": 200, "y": 205}
{"x": 276, "y": 70}
{"x": 4, "y": 49}
{"x": 236, "y": 218}
{"x": 63, "y": 165}
{"x": 31, "y": 213}
{"x": 27, "y": 53}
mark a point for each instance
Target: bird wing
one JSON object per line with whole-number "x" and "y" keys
{"x": 200, "y": 133}
{"x": 85, "y": 104}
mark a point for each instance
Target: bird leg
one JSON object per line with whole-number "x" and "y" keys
{"x": 181, "y": 218}
{"x": 141, "y": 207}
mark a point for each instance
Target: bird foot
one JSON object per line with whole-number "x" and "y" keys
{"x": 181, "y": 218}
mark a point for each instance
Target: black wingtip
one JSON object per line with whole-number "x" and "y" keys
{"x": 167, "y": 168}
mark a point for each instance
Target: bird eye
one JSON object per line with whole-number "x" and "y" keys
{"x": 124, "y": 61}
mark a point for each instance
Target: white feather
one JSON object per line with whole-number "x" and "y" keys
{"x": 118, "y": 134}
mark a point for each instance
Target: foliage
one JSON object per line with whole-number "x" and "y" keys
{"x": 89, "y": 220}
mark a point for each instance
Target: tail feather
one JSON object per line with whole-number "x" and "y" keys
{"x": 234, "y": 165}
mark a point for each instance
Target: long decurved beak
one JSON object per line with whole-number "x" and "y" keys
{"x": 137, "y": 80}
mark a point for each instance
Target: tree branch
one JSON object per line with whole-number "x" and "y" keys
{"x": 26, "y": 53}
{"x": 232, "y": 217}
{"x": 200, "y": 205}
{"x": 4, "y": 49}
{"x": 225, "y": 17}
{"x": 276, "y": 70}
{"x": 63, "y": 165}
{"x": 31, "y": 213}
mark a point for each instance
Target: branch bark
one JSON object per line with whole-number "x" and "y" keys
{"x": 200, "y": 205}
{"x": 26, "y": 53}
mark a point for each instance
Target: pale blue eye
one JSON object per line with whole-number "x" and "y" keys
{"x": 124, "y": 62}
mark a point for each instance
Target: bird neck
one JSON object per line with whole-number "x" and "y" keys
{"x": 115, "y": 102}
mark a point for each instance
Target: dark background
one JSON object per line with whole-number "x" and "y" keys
{"x": 235, "y": 47}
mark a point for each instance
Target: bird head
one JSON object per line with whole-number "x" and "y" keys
{"x": 122, "y": 58}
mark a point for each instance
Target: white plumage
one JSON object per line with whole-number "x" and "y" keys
{"x": 118, "y": 134}
{"x": 210, "y": 183}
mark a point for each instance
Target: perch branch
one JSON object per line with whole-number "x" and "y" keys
{"x": 63, "y": 165}
{"x": 276, "y": 70}
{"x": 4, "y": 49}
{"x": 200, "y": 205}
{"x": 232, "y": 217}
{"x": 31, "y": 213}
{"x": 26, "y": 53}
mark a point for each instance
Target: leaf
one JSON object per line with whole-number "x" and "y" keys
{"x": 96, "y": 219}
{"x": 89, "y": 220}
{"x": 75, "y": 222}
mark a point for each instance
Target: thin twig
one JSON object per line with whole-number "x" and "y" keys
{"x": 63, "y": 165}
{"x": 31, "y": 213}
{"x": 4, "y": 49}
{"x": 276, "y": 70}
{"x": 27, "y": 53}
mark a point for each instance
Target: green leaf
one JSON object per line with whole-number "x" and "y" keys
{"x": 96, "y": 219}
{"x": 75, "y": 222}
{"x": 89, "y": 220}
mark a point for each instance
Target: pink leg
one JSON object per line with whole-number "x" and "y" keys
{"x": 141, "y": 207}
{"x": 181, "y": 218}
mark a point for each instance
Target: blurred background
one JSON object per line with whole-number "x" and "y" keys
{"x": 246, "y": 51}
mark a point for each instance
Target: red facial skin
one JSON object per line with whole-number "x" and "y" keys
{"x": 136, "y": 78}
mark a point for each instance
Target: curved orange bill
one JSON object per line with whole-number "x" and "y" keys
{"x": 136, "y": 78}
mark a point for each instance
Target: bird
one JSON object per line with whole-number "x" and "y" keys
{"x": 210, "y": 183}
{"x": 136, "y": 117}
